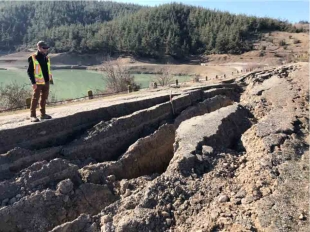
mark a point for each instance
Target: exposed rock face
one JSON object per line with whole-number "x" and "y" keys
{"x": 216, "y": 158}
{"x": 65, "y": 186}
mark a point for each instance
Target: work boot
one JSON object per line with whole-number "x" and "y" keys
{"x": 45, "y": 116}
{"x": 34, "y": 119}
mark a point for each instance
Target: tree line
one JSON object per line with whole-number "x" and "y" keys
{"x": 173, "y": 29}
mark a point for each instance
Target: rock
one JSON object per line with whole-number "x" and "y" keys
{"x": 127, "y": 193}
{"x": 105, "y": 219}
{"x": 243, "y": 159}
{"x": 165, "y": 214}
{"x": 177, "y": 203}
{"x": 40, "y": 174}
{"x": 186, "y": 163}
{"x": 65, "y": 186}
{"x": 111, "y": 178}
{"x": 107, "y": 227}
{"x": 266, "y": 163}
{"x": 168, "y": 221}
{"x": 124, "y": 184}
{"x": 9, "y": 189}
{"x": 13, "y": 200}
{"x": 48, "y": 195}
{"x": 240, "y": 194}
{"x": 139, "y": 219}
{"x": 199, "y": 158}
{"x": 237, "y": 202}
{"x": 302, "y": 217}
{"x": 4, "y": 202}
{"x": 226, "y": 215}
{"x": 207, "y": 150}
{"x": 80, "y": 224}
{"x": 247, "y": 200}
{"x": 223, "y": 198}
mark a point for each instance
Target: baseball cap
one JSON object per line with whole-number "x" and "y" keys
{"x": 42, "y": 44}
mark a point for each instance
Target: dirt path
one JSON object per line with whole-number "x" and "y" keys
{"x": 11, "y": 120}
{"x": 20, "y": 118}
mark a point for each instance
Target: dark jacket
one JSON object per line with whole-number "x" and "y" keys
{"x": 43, "y": 63}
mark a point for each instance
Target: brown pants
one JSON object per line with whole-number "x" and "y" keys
{"x": 40, "y": 92}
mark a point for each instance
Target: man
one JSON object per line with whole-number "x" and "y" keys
{"x": 39, "y": 72}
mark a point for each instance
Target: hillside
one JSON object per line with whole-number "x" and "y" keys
{"x": 23, "y": 22}
{"x": 272, "y": 48}
{"x": 111, "y": 28}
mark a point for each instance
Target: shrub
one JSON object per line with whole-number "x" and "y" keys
{"x": 117, "y": 77}
{"x": 13, "y": 95}
{"x": 164, "y": 77}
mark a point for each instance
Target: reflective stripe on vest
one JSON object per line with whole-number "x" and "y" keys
{"x": 38, "y": 71}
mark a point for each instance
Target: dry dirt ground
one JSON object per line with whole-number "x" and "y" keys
{"x": 11, "y": 120}
{"x": 230, "y": 157}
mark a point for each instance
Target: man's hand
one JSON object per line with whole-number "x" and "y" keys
{"x": 34, "y": 86}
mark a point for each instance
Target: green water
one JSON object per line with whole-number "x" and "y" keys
{"x": 70, "y": 84}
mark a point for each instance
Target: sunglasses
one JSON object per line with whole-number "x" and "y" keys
{"x": 45, "y": 47}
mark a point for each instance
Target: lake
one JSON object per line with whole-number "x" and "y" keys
{"x": 70, "y": 84}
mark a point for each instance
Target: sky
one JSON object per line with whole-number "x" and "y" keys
{"x": 293, "y": 11}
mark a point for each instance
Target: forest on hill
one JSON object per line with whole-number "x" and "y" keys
{"x": 172, "y": 29}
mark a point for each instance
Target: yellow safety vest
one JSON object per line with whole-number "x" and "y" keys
{"x": 38, "y": 71}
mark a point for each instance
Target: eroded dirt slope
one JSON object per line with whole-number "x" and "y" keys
{"x": 230, "y": 157}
